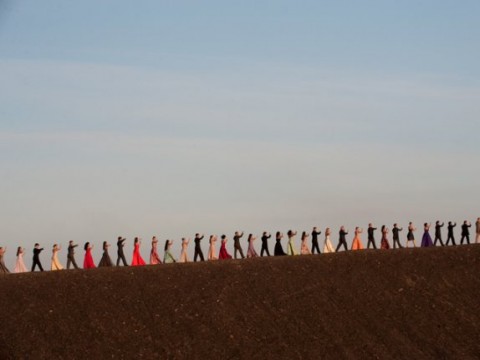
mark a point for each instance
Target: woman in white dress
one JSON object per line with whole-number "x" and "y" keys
{"x": 328, "y": 247}
{"x": 211, "y": 250}
{"x": 183, "y": 254}
{"x": 19, "y": 264}
{"x": 55, "y": 263}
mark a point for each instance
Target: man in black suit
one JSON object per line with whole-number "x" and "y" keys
{"x": 198, "y": 249}
{"x": 396, "y": 236}
{"x": 450, "y": 236}
{"x": 315, "y": 234}
{"x": 236, "y": 244}
{"x": 465, "y": 232}
{"x": 342, "y": 239}
{"x": 438, "y": 233}
{"x": 120, "y": 254}
{"x": 71, "y": 255}
{"x": 36, "y": 257}
{"x": 265, "y": 238}
{"x": 371, "y": 236}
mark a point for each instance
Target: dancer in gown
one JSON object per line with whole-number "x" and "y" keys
{"x": 55, "y": 263}
{"x": 36, "y": 257}
{"x": 357, "y": 242}
{"x": 154, "y": 257}
{"x": 168, "y": 257}
{"x": 211, "y": 250}
{"x": 410, "y": 236}
{"x": 438, "y": 233}
{"x": 19, "y": 264}
{"x": 236, "y": 244}
{"x": 278, "y": 250}
{"x": 291, "y": 243}
{"x": 265, "y": 238}
{"x": 88, "y": 260}
{"x": 477, "y": 231}
{"x": 223, "y": 254}
{"x": 304, "y": 250}
{"x": 371, "y": 236}
{"x": 450, "y": 235}
{"x": 384, "y": 243}
{"x": 71, "y": 255}
{"x": 315, "y": 246}
{"x": 105, "y": 261}
{"x": 198, "y": 249}
{"x": 183, "y": 254}
{"x": 327, "y": 245}
{"x": 251, "y": 249}
{"x": 396, "y": 236}
{"x": 137, "y": 259}
{"x": 342, "y": 240}
{"x": 3, "y": 267}
{"x": 426, "y": 239}
{"x": 465, "y": 232}
{"x": 120, "y": 253}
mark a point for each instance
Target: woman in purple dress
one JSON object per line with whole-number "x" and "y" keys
{"x": 426, "y": 239}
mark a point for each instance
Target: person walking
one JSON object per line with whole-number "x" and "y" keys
{"x": 410, "y": 236}
{"x": 211, "y": 250}
{"x": 278, "y": 251}
{"x": 120, "y": 253}
{"x": 384, "y": 244}
{"x": 88, "y": 259}
{"x": 71, "y": 255}
{"x": 357, "y": 242}
{"x": 371, "y": 236}
{"x": 55, "y": 262}
{"x": 20, "y": 264}
{"x": 438, "y": 233}
{"x": 426, "y": 239}
{"x": 265, "y": 237}
{"x": 198, "y": 249}
{"x": 3, "y": 267}
{"x": 251, "y": 253}
{"x": 327, "y": 245}
{"x": 154, "y": 257}
{"x": 184, "y": 254}
{"x": 315, "y": 246}
{"x": 168, "y": 257}
{"x": 291, "y": 243}
{"x": 450, "y": 234}
{"x": 105, "y": 261}
{"x": 342, "y": 240}
{"x": 396, "y": 236}
{"x": 36, "y": 257}
{"x": 465, "y": 232}
{"x": 236, "y": 244}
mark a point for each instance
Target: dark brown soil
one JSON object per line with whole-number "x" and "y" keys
{"x": 398, "y": 304}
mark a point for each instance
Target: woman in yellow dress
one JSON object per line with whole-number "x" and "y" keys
{"x": 291, "y": 245}
{"x": 55, "y": 263}
{"x": 327, "y": 246}
{"x": 357, "y": 242}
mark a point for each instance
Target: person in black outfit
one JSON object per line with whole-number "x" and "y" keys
{"x": 265, "y": 238}
{"x": 450, "y": 236}
{"x": 198, "y": 249}
{"x": 438, "y": 233}
{"x": 371, "y": 236}
{"x": 36, "y": 257}
{"x": 465, "y": 232}
{"x": 278, "y": 246}
{"x": 396, "y": 236}
{"x": 315, "y": 234}
{"x": 120, "y": 254}
{"x": 342, "y": 239}
{"x": 71, "y": 255}
{"x": 236, "y": 244}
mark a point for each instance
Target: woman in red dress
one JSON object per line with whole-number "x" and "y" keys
{"x": 137, "y": 258}
{"x": 384, "y": 244}
{"x": 88, "y": 261}
{"x": 224, "y": 255}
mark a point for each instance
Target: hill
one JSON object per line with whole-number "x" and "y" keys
{"x": 398, "y": 304}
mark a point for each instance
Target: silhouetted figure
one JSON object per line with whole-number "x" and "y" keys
{"x": 71, "y": 255}
{"x": 450, "y": 236}
{"x": 198, "y": 249}
{"x": 264, "y": 239}
{"x": 371, "y": 236}
{"x": 120, "y": 254}
{"x": 465, "y": 232}
{"x": 236, "y": 244}
{"x": 410, "y": 236}
{"x": 315, "y": 246}
{"x": 342, "y": 240}
{"x": 36, "y": 257}
{"x": 438, "y": 233}
{"x": 396, "y": 236}
{"x": 477, "y": 228}
{"x": 278, "y": 251}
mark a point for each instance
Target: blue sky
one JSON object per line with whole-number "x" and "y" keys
{"x": 168, "y": 118}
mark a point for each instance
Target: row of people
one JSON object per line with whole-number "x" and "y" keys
{"x": 137, "y": 259}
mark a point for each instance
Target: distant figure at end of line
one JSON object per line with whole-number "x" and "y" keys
{"x": 477, "y": 228}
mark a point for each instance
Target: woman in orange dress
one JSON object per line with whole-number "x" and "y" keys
{"x": 357, "y": 242}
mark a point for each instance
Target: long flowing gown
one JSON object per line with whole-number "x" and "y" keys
{"x": 88, "y": 260}
{"x": 137, "y": 258}
{"x": 105, "y": 261}
{"x": 357, "y": 242}
{"x": 183, "y": 254}
{"x": 327, "y": 246}
{"x": 168, "y": 257}
{"x": 3, "y": 267}
{"x": 384, "y": 244}
{"x": 212, "y": 251}
{"x": 251, "y": 250}
{"x": 278, "y": 250}
{"x": 55, "y": 263}
{"x": 223, "y": 254}
{"x": 426, "y": 239}
{"x": 304, "y": 250}
{"x": 20, "y": 264}
{"x": 154, "y": 257}
{"x": 291, "y": 247}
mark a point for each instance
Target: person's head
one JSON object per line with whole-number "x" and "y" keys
{"x": 290, "y": 233}
{"x": 211, "y": 237}
{"x": 437, "y": 222}
{"x": 119, "y": 238}
{"x": 370, "y": 225}
{"x": 236, "y": 233}
{"x": 304, "y": 235}
{"x": 197, "y": 235}
{"x": 223, "y": 237}
{"x": 314, "y": 228}
{"x": 104, "y": 244}
{"x": 250, "y": 237}
{"x": 264, "y": 233}
{"x": 327, "y": 231}
{"x": 395, "y": 225}
{"x": 87, "y": 245}
{"x": 135, "y": 240}
{"x": 383, "y": 227}
{"x": 278, "y": 234}
{"x": 167, "y": 243}
{"x": 19, "y": 250}
{"x": 54, "y": 246}
{"x": 410, "y": 223}
{"x": 425, "y": 224}
{"x": 357, "y": 228}
{"x": 465, "y": 222}
{"x": 342, "y": 228}
{"x": 449, "y": 223}
{"x": 37, "y": 245}
{"x": 70, "y": 242}
{"x": 154, "y": 239}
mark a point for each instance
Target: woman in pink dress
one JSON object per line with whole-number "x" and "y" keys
{"x": 384, "y": 243}
{"x": 19, "y": 264}
{"x": 251, "y": 249}
{"x": 304, "y": 250}
{"x": 154, "y": 258}
{"x": 88, "y": 260}
{"x": 224, "y": 255}
{"x": 211, "y": 249}
{"x": 183, "y": 254}
{"x": 357, "y": 242}
{"x": 137, "y": 258}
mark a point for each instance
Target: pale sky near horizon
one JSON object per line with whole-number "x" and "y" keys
{"x": 173, "y": 117}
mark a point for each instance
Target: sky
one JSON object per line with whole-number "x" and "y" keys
{"x": 169, "y": 118}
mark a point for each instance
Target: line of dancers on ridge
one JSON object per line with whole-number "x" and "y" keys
{"x": 223, "y": 254}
